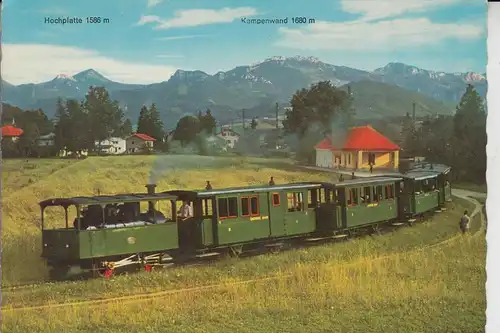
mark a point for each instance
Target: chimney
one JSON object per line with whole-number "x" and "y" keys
{"x": 349, "y": 90}
{"x": 151, "y": 188}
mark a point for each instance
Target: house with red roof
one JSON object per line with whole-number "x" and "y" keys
{"x": 11, "y": 132}
{"x": 139, "y": 142}
{"x": 359, "y": 148}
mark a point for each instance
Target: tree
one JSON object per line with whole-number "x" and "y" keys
{"x": 187, "y": 129}
{"x": 105, "y": 115}
{"x": 28, "y": 140}
{"x": 79, "y": 136}
{"x": 322, "y": 103}
{"x": 142, "y": 122}
{"x": 156, "y": 124}
{"x": 61, "y": 128}
{"x": 150, "y": 123}
{"x": 207, "y": 122}
{"x": 458, "y": 141}
{"x": 253, "y": 124}
{"x": 470, "y": 138}
{"x": 125, "y": 129}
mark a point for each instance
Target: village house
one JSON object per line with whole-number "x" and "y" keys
{"x": 361, "y": 147}
{"x": 11, "y": 132}
{"x": 139, "y": 142}
{"x": 46, "y": 141}
{"x": 229, "y": 135}
{"x": 112, "y": 146}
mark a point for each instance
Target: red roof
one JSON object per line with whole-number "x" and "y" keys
{"x": 325, "y": 144}
{"x": 144, "y": 137}
{"x": 361, "y": 138}
{"x": 9, "y": 130}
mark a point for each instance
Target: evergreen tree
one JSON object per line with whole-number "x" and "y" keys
{"x": 105, "y": 115}
{"x": 155, "y": 124}
{"x": 61, "y": 126}
{"x": 142, "y": 122}
{"x": 470, "y": 136}
{"x": 126, "y": 129}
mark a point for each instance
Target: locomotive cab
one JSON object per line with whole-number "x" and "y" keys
{"x": 107, "y": 226}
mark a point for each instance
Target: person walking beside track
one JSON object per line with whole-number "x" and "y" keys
{"x": 465, "y": 222}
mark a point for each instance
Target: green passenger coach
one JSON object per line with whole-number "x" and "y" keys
{"x": 368, "y": 201}
{"x": 235, "y": 216}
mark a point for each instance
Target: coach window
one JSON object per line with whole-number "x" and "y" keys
{"x": 322, "y": 195}
{"x": 254, "y": 206}
{"x": 389, "y": 191}
{"x": 367, "y": 195}
{"x": 378, "y": 193}
{"x": 228, "y": 207}
{"x": 207, "y": 208}
{"x": 417, "y": 186}
{"x": 294, "y": 202}
{"x": 352, "y": 197}
{"x": 312, "y": 199}
{"x": 276, "y": 199}
{"x": 245, "y": 207}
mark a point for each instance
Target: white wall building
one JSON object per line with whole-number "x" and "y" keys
{"x": 47, "y": 140}
{"x": 230, "y": 136}
{"x": 113, "y": 146}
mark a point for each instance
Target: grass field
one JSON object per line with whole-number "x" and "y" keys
{"x": 438, "y": 289}
{"x": 371, "y": 284}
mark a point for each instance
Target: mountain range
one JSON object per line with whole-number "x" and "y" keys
{"x": 386, "y": 91}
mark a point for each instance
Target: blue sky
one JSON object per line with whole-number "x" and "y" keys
{"x": 147, "y": 40}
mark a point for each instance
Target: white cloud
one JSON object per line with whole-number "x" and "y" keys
{"x": 152, "y": 3}
{"x": 169, "y": 56}
{"x": 180, "y": 37}
{"x": 378, "y": 36}
{"x": 145, "y": 19}
{"x": 34, "y": 63}
{"x": 197, "y": 17}
{"x": 373, "y": 10}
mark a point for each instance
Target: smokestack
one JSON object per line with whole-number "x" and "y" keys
{"x": 151, "y": 190}
{"x": 349, "y": 90}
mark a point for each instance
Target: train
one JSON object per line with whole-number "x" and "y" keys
{"x": 112, "y": 232}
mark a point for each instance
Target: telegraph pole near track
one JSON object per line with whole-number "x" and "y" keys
{"x": 243, "y": 117}
{"x": 277, "y": 112}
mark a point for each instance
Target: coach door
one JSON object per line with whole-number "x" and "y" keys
{"x": 277, "y": 209}
{"x": 297, "y": 215}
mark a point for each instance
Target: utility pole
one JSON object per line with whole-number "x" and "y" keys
{"x": 243, "y": 116}
{"x": 277, "y": 112}
{"x": 413, "y": 113}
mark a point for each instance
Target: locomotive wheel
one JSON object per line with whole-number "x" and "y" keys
{"x": 236, "y": 251}
{"x": 376, "y": 229}
{"x": 99, "y": 271}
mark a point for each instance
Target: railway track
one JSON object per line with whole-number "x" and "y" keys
{"x": 151, "y": 295}
{"x": 386, "y": 229}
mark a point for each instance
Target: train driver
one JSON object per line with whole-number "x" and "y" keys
{"x": 186, "y": 211}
